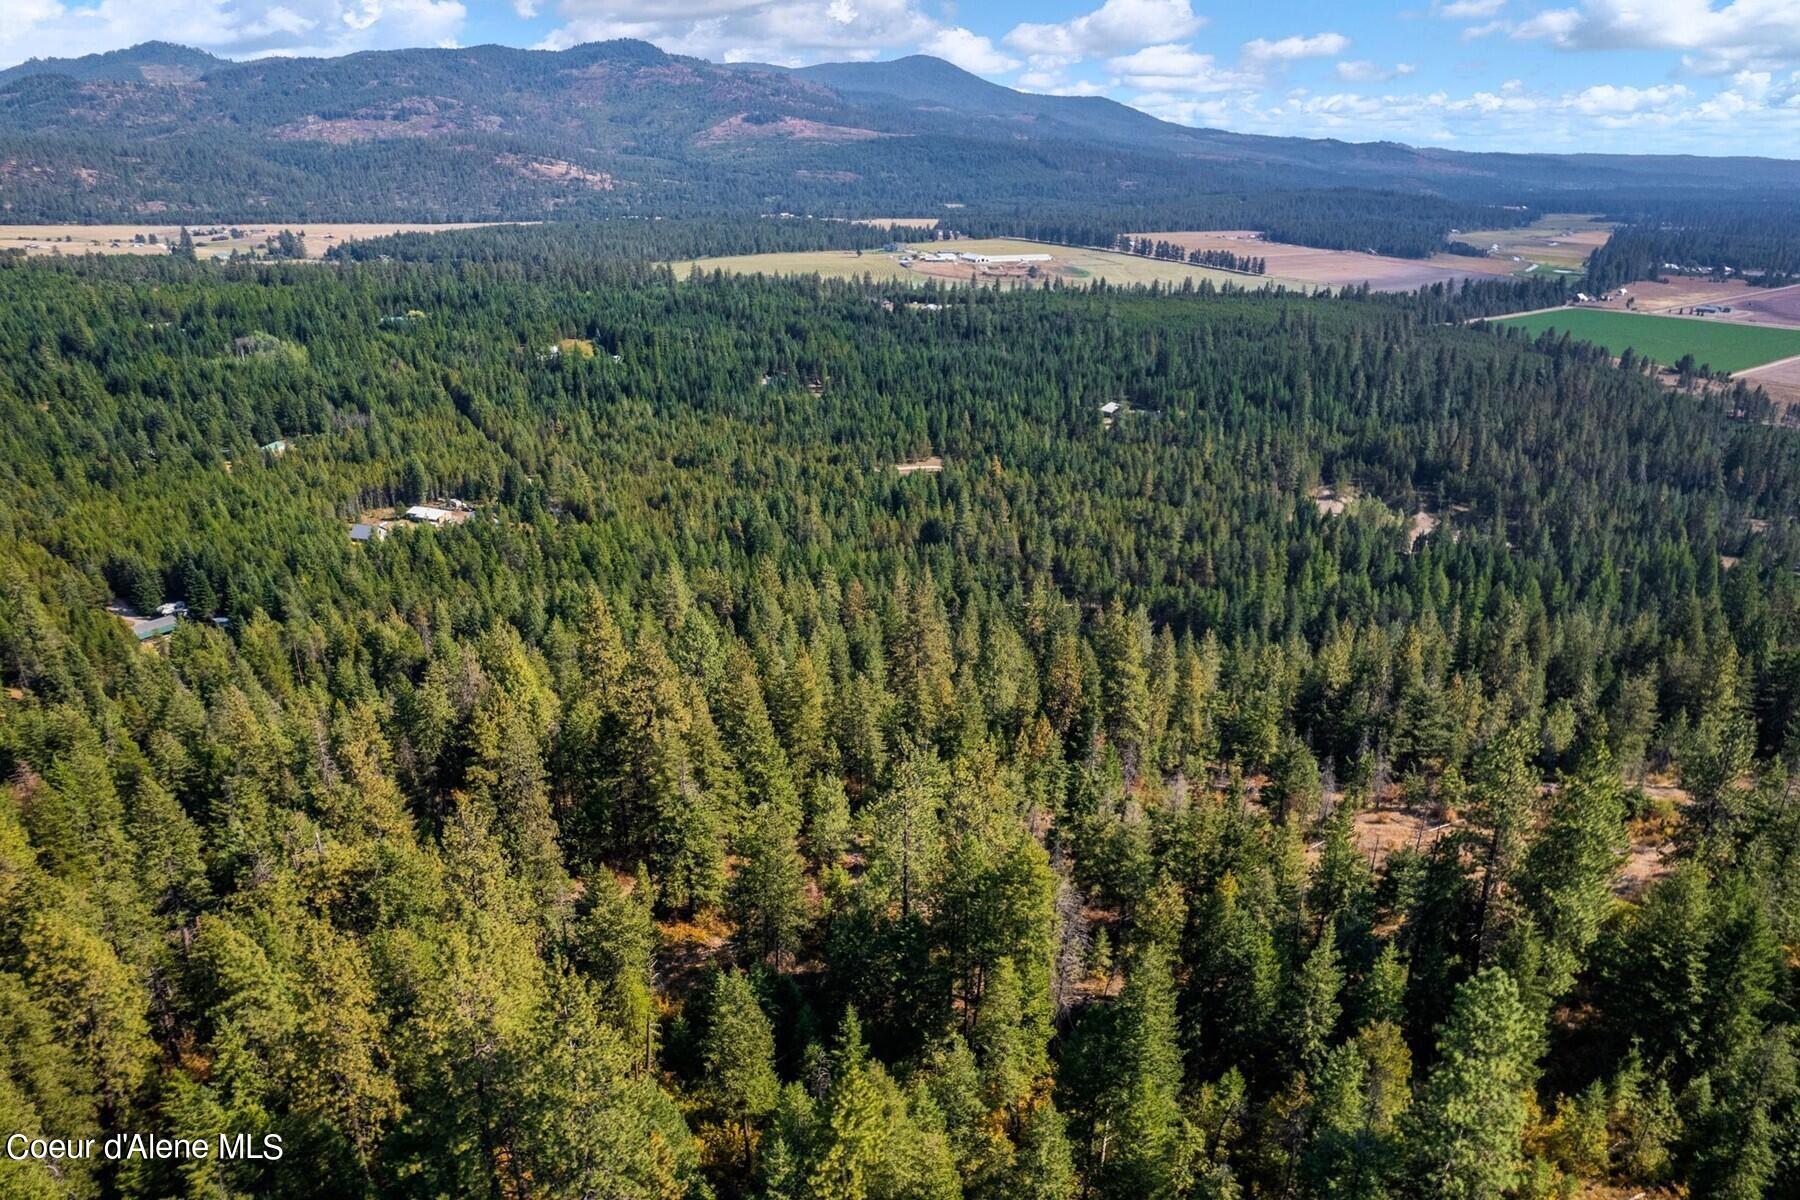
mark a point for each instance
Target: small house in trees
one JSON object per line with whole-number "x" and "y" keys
{"x": 365, "y": 532}
{"x": 428, "y": 515}
{"x": 1110, "y": 409}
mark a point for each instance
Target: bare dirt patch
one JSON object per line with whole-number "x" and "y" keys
{"x": 1776, "y": 305}
{"x": 1335, "y": 268}
{"x": 1380, "y": 833}
{"x": 1328, "y": 502}
{"x": 929, "y": 466}
{"x": 744, "y": 127}
{"x": 1423, "y": 524}
{"x": 556, "y": 170}
{"x": 417, "y": 122}
{"x": 1649, "y": 856}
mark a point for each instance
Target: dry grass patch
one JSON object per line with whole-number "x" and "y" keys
{"x": 210, "y": 241}
{"x": 1332, "y": 268}
{"x": 1068, "y": 264}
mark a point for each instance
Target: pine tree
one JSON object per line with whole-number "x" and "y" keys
{"x": 1312, "y": 1008}
{"x": 1354, "y": 1151}
{"x": 905, "y": 852}
{"x": 1120, "y": 646}
{"x": 1567, "y": 879}
{"x": 1471, "y": 1112}
{"x": 768, "y": 895}
{"x": 1502, "y": 800}
{"x": 1715, "y": 754}
{"x": 1044, "y": 1168}
{"x": 1140, "y": 1129}
{"x": 847, "y": 1144}
{"x": 828, "y": 824}
{"x": 739, "y": 1055}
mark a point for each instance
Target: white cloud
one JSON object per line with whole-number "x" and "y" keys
{"x": 234, "y": 28}
{"x": 1113, "y": 26}
{"x": 1079, "y": 87}
{"x": 1553, "y": 24}
{"x": 970, "y": 51}
{"x": 1364, "y": 71}
{"x": 1753, "y": 112}
{"x": 1608, "y": 99}
{"x": 1319, "y": 45}
{"x": 1467, "y": 10}
{"x": 1716, "y": 40}
{"x": 1173, "y": 68}
{"x": 790, "y": 32}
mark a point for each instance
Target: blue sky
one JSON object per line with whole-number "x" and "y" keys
{"x": 1629, "y": 76}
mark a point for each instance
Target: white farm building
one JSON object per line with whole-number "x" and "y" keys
{"x": 1003, "y": 258}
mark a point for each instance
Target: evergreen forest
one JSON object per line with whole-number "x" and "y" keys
{"x": 1360, "y": 766}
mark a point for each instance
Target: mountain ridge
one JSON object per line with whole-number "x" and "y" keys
{"x": 625, "y": 127}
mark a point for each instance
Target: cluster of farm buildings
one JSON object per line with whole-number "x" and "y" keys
{"x": 964, "y": 256}
{"x": 448, "y": 512}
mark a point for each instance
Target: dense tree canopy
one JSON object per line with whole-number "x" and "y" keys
{"x": 718, "y": 810}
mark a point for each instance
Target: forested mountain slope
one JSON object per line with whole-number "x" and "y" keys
{"x": 492, "y": 131}
{"x": 720, "y": 812}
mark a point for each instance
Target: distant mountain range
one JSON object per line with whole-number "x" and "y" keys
{"x": 166, "y": 132}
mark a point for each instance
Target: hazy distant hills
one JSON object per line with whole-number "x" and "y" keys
{"x": 147, "y": 62}
{"x": 164, "y": 131}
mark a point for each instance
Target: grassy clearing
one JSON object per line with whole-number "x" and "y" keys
{"x": 212, "y": 240}
{"x": 1720, "y": 346}
{"x": 1068, "y": 263}
{"x": 1555, "y": 240}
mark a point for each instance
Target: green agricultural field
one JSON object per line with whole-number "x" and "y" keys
{"x": 1068, "y": 263}
{"x": 1716, "y": 344}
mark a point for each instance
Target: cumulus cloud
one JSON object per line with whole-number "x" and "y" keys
{"x": 234, "y": 28}
{"x": 1175, "y": 68}
{"x": 1364, "y": 71}
{"x": 1114, "y": 26}
{"x": 970, "y": 51}
{"x": 789, "y": 32}
{"x": 1758, "y": 109}
{"x": 1319, "y": 45}
{"x": 1467, "y": 10}
{"x": 1715, "y": 40}
{"x": 1608, "y": 99}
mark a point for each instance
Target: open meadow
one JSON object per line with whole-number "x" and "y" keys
{"x": 1718, "y": 345}
{"x": 1069, "y": 264}
{"x": 1336, "y": 268}
{"x": 210, "y": 241}
{"x": 1554, "y": 242}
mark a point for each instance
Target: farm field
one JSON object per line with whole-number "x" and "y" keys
{"x": 1781, "y": 380}
{"x": 1337, "y": 268}
{"x": 1674, "y": 296}
{"x": 1069, "y": 264}
{"x": 1719, "y": 345}
{"x": 210, "y": 241}
{"x": 1555, "y": 240}
{"x": 1774, "y": 306}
